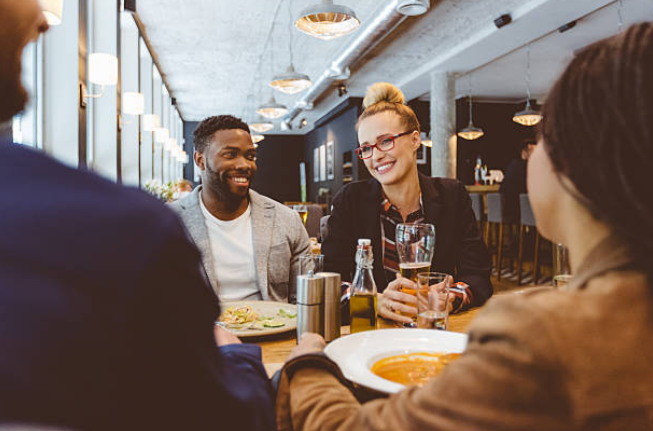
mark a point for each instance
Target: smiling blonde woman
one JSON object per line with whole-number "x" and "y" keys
{"x": 389, "y": 137}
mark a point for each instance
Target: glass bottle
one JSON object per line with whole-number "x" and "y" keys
{"x": 362, "y": 302}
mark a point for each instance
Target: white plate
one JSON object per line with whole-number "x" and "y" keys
{"x": 267, "y": 309}
{"x": 355, "y": 354}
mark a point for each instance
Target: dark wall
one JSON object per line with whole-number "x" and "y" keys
{"x": 341, "y": 129}
{"x": 189, "y": 128}
{"x": 501, "y": 141}
{"x": 277, "y": 160}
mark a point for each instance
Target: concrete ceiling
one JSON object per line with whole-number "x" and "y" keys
{"x": 219, "y": 55}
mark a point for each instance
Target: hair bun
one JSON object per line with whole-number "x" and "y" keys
{"x": 382, "y": 92}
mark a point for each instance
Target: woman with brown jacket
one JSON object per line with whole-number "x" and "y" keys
{"x": 546, "y": 360}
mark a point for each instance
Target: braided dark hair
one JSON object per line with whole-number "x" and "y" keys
{"x": 598, "y": 132}
{"x": 205, "y": 130}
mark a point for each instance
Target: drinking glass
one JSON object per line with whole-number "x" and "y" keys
{"x": 310, "y": 262}
{"x": 561, "y": 268}
{"x": 303, "y": 212}
{"x": 433, "y": 299}
{"x": 415, "y": 245}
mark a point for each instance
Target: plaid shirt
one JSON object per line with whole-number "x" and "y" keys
{"x": 390, "y": 218}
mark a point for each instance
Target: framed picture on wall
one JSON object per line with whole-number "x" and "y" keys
{"x": 316, "y": 165}
{"x": 421, "y": 154}
{"x": 323, "y": 162}
{"x": 330, "y": 174}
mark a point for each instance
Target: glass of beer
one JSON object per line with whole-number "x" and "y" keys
{"x": 302, "y": 211}
{"x": 561, "y": 268}
{"x": 415, "y": 245}
{"x": 433, "y": 299}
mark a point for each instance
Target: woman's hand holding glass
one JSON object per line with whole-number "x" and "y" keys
{"x": 394, "y": 300}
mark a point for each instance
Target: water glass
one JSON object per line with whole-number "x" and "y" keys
{"x": 433, "y": 299}
{"x": 311, "y": 262}
{"x": 561, "y": 267}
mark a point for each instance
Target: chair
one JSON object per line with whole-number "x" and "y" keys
{"x": 527, "y": 219}
{"x": 324, "y": 228}
{"x": 314, "y": 214}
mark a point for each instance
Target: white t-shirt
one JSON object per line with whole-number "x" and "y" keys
{"x": 233, "y": 255}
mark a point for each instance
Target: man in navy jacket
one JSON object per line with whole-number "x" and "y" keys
{"x": 106, "y": 318}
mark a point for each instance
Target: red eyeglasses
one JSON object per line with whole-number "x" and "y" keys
{"x": 383, "y": 143}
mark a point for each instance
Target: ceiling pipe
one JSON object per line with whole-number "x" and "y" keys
{"x": 367, "y": 37}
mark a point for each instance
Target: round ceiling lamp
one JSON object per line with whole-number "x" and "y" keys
{"x": 470, "y": 132}
{"x": 327, "y": 21}
{"x": 52, "y": 10}
{"x": 272, "y": 109}
{"x": 261, "y": 125}
{"x": 529, "y": 116}
{"x": 290, "y": 82}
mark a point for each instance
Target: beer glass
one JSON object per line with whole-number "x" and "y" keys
{"x": 415, "y": 244}
{"x": 302, "y": 210}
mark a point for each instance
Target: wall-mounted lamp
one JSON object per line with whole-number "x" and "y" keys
{"x": 133, "y": 103}
{"x": 52, "y": 10}
{"x": 150, "y": 122}
{"x": 102, "y": 70}
{"x": 161, "y": 135}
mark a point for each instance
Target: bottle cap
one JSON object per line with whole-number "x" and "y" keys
{"x": 364, "y": 241}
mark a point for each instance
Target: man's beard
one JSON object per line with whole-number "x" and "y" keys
{"x": 217, "y": 183}
{"x": 14, "y": 96}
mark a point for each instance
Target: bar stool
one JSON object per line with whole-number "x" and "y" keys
{"x": 494, "y": 218}
{"x": 477, "y": 207}
{"x": 527, "y": 219}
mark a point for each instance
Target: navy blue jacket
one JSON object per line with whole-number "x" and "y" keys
{"x": 106, "y": 320}
{"x": 459, "y": 248}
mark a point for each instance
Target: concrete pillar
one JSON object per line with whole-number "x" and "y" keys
{"x": 443, "y": 125}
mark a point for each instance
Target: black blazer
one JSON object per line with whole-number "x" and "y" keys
{"x": 459, "y": 248}
{"x": 106, "y": 320}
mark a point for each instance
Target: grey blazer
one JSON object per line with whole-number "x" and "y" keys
{"x": 279, "y": 239}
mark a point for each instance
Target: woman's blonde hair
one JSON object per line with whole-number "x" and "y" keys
{"x": 383, "y": 96}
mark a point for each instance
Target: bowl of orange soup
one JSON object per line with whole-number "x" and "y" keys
{"x": 388, "y": 360}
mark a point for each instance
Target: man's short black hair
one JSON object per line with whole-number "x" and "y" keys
{"x": 205, "y": 130}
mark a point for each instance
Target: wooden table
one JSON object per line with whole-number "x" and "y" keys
{"x": 277, "y": 348}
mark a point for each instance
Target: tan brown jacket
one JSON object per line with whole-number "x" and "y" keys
{"x": 545, "y": 360}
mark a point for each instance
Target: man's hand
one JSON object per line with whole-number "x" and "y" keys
{"x": 309, "y": 343}
{"x": 224, "y": 337}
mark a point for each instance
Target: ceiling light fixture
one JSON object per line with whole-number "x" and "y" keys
{"x": 261, "y": 125}
{"x": 426, "y": 140}
{"x": 529, "y": 116}
{"x": 327, "y": 21}
{"x": 413, "y": 7}
{"x": 470, "y": 132}
{"x": 272, "y": 109}
{"x": 290, "y": 82}
{"x": 52, "y": 10}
